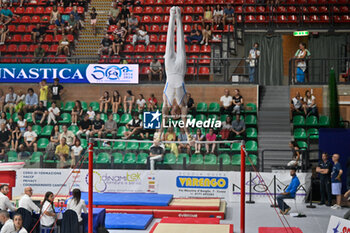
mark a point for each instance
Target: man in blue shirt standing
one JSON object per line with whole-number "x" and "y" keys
{"x": 336, "y": 181}
{"x": 289, "y": 193}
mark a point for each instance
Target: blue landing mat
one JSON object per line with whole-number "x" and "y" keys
{"x": 134, "y": 199}
{"x": 128, "y": 221}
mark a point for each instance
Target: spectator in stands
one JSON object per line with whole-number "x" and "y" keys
{"x": 77, "y": 205}
{"x": 73, "y": 25}
{"x": 39, "y": 53}
{"x": 39, "y": 113}
{"x": 106, "y": 45}
{"x": 117, "y": 44}
{"x": 20, "y": 101}
{"x": 4, "y": 32}
{"x": 30, "y": 138}
{"x": 296, "y": 157}
{"x": 53, "y": 3}
{"x": 6, "y": 221}
{"x": 113, "y": 20}
{"x": 84, "y": 127}
{"x": 140, "y": 34}
{"x": 129, "y": 100}
{"x": 253, "y": 59}
{"x": 38, "y": 33}
{"x": 77, "y": 112}
{"x": 116, "y": 101}
{"x": 300, "y": 57}
{"x": 31, "y": 101}
{"x": 93, "y": 20}
{"x": 237, "y": 102}
{"x": 125, "y": 12}
{"x": 198, "y": 137}
{"x": 152, "y": 103}
{"x": 6, "y": 15}
{"x": 195, "y": 35}
{"x": 134, "y": 126}
{"x": 310, "y": 107}
{"x": 114, "y": 11}
{"x": 80, "y": 23}
{"x": 105, "y": 101}
{"x": 289, "y": 193}
{"x": 68, "y": 135}
{"x": 133, "y": 23}
{"x": 56, "y": 91}
{"x": 55, "y": 15}
{"x": 98, "y": 126}
{"x": 21, "y": 123}
{"x": 2, "y": 100}
{"x": 76, "y": 151}
{"x": 123, "y": 21}
{"x": 53, "y": 114}
{"x": 336, "y": 180}
{"x": 155, "y": 68}
{"x": 190, "y": 105}
{"x": 3, "y": 119}
{"x": 171, "y": 136}
{"x": 238, "y": 128}
{"x": 10, "y": 101}
{"x": 18, "y": 223}
{"x": 324, "y": 169}
{"x": 297, "y": 103}
{"x": 63, "y": 46}
{"x": 120, "y": 31}
{"x": 62, "y": 151}
{"x": 183, "y": 138}
{"x": 110, "y": 127}
{"x": 5, "y": 139}
{"x": 207, "y": 16}
{"x": 226, "y": 128}
{"x": 226, "y": 102}
{"x": 26, "y": 201}
{"x": 15, "y": 135}
{"x": 47, "y": 211}
{"x": 141, "y": 103}
{"x": 5, "y": 203}
{"x": 91, "y": 113}
{"x": 156, "y": 152}
{"x": 54, "y": 142}
{"x": 218, "y": 15}
{"x": 228, "y": 14}
{"x": 210, "y": 137}
{"x": 206, "y": 32}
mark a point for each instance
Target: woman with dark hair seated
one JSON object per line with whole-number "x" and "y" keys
{"x": 296, "y": 159}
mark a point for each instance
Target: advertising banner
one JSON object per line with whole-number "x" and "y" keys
{"x": 70, "y": 73}
{"x": 337, "y": 225}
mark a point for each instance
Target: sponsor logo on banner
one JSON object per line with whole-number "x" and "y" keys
{"x": 103, "y": 73}
{"x": 201, "y": 182}
{"x": 152, "y": 120}
{"x": 338, "y": 225}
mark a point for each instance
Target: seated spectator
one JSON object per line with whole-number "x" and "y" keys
{"x": 77, "y": 112}
{"x": 238, "y": 128}
{"x": 114, "y": 11}
{"x": 98, "y": 126}
{"x": 207, "y": 16}
{"x": 5, "y": 139}
{"x": 10, "y": 101}
{"x": 206, "y": 32}
{"x": 226, "y": 128}
{"x": 113, "y": 20}
{"x": 54, "y": 142}
{"x": 68, "y": 135}
{"x": 105, "y": 100}
{"x": 117, "y": 44}
{"x": 110, "y": 127}
{"x": 55, "y": 15}
{"x": 18, "y": 223}
{"x": 3, "y": 119}
{"x": 91, "y": 113}
{"x": 116, "y": 101}
{"x": 198, "y": 137}
{"x": 38, "y": 33}
{"x": 4, "y": 32}
{"x": 2, "y": 100}
{"x": 106, "y": 46}
{"x": 31, "y": 101}
{"x": 129, "y": 100}
{"x": 296, "y": 157}
{"x": 152, "y": 103}
{"x": 76, "y": 152}
{"x": 229, "y": 14}
{"x": 120, "y": 31}
{"x": 183, "y": 138}
{"x": 218, "y": 15}
{"x": 53, "y": 114}
{"x": 237, "y": 102}
{"x": 133, "y": 23}
{"x": 156, "y": 152}
{"x": 134, "y": 126}
{"x": 140, "y": 34}
{"x": 63, "y": 46}
{"x": 62, "y": 151}
{"x": 141, "y": 103}
{"x": 125, "y": 12}
{"x": 226, "y": 102}
{"x": 171, "y": 136}
{"x": 73, "y": 24}
{"x": 297, "y": 103}
{"x": 190, "y": 104}
{"x": 39, "y": 53}
{"x": 195, "y": 36}
{"x": 210, "y": 137}
{"x": 53, "y": 3}
{"x": 6, "y": 221}
{"x": 77, "y": 18}
{"x": 39, "y": 113}
{"x": 21, "y": 123}
{"x": 93, "y": 20}
{"x": 6, "y": 14}
{"x": 123, "y": 21}
{"x": 30, "y": 138}
{"x": 16, "y": 134}
{"x": 59, "y": 24}
{"x": 310, "y": 107}
{"x": 85, "y": 127}
{"x": 20, "y": 101}
{"x": 47, "y": 210}
{"x": 155, "y": 68}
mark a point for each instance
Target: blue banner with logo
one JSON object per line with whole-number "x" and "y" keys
{"x": 70, "y": 73}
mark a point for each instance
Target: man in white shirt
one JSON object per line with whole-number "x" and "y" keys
{"x": 10, "y": 101}
{"x": 5, "y": 203}
{"x": 254, "y": 55}
{"x": 8, "y": 226}
{"x": 68, "y": 135}
{"x": 53, "y": 113}
{"x": 226, "y": 102}
{"x": 26, "y": 201}
{"x": 141, "y": 34}
{"x": 29, "y": 140}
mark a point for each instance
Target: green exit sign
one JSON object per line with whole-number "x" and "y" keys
{"x": 301, "y": 33}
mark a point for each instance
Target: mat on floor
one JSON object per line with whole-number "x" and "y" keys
{"x": 191, "y": 220}
{"x": 126, "y": 199}
{"x": 128, "y": 221}
{"x": 279, "y": 230}
{"x": 191, "y": 228}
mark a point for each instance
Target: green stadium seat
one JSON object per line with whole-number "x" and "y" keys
{"x": 236, "y": 146}
{"x": 83, "y": 143}
{"x": 302, "y": 145}
{"x": 43, "y": 143}
{"x": 36, "y": 157}
{"x": 223, "y": 117}
{"x": 236, "y": 160}
{"x": 69, "y": 106}
{"x": 126, "y": 117}
{"x": 210, "y": 159}
{"x": 202, "y": 107}
{"x": 119, "y": 145}
{"x": 180, "y": 158}
{"x": 312, "y": 133}
{"x": 298, "y": 121}
{"x": 116, "y": 117}
{"x": 103, "y": 158}
{"x": 12, "y": 156}
{"x": 73, "y": 128}
{"x": 95, "y": 106}
{"x": 213, "y": 117}
{"x": 15, "y": 117}
{"x": 103, "y": 146}
{"x": 214, "y": 107}
{"x": 142, "y": 158}
{"x": 132, "y": 146}
{"x": 311, "y": 121}
{"x": 225, "y": 147}
{"x": 121, "y": 131}
{"x": 201, "y": 117}
{"x": 28, "y": 117}
{"x": 46, "y": 131}
{"x": 129, "y": 158}
{"x": 299, "y": 133}
{"x": 197, "y": 159}
{"x": 252, "y": 133}
{"x": 145, "y": 146}
{"x": 252, "y": 146}
{"x": 37, "y": 129}
{"x": 226, "y": 160}
{"x": 66, "y": 118}
{"x": 324, "y": 121}
{"x": 253, "y": 158}
{"x": 250, "y": 108}
{"x": 169, "y": 158}
{"x": 84, "y": 105}
{"x": 104, "y": 117}
{"x": 250, "y": 120}
{"x": 118, "y": 158}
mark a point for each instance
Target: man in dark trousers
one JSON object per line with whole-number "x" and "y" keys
{"x": 324, "y": 168}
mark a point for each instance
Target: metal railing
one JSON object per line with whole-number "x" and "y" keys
{"x": 304, "y": 158}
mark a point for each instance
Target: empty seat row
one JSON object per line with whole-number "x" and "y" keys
{"x": 45, "y": 10}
